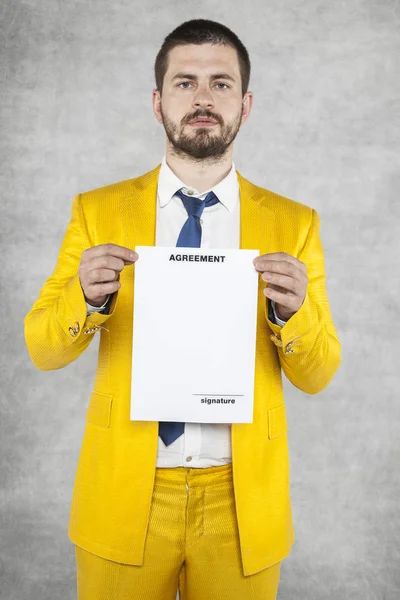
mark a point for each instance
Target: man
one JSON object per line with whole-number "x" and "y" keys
{"x": 202, "y": 507}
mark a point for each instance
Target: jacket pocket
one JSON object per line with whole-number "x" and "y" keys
{"x": 99, "y": 409}
{"x": 277, "y": 423}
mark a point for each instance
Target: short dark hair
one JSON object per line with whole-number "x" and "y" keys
{"x": 201, "y": 31}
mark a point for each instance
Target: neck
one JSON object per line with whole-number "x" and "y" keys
{"x": 201, "y": 175}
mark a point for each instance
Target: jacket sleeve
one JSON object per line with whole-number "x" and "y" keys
{"x": 57, "y": 329}
{"x": 308, "y": 345}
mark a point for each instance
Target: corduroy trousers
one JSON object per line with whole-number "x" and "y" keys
{"x": 192, "y": 544}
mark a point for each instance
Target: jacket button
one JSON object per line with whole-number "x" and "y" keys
{"x": 91, "y": 330}
{"x": 74, "y": 330}
{"x": 276, "y": 339}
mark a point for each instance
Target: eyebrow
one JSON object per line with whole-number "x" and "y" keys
{"x": 191, "y": 76}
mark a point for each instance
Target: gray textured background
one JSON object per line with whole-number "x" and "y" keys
{"x": 76, "y": 82}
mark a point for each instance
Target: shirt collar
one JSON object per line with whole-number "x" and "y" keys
{"x": 227, "y": 190}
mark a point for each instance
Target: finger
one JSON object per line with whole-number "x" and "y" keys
{"x": 127, "y": 254}
{"x": 102, "y": 289}
{"x": 287, "y": 283}
{"x": 286, "y": 300}
{"x": 106, "y": 262}
{"x": 275, "y": 256}
{"x": 101, "y": 276}
{"x": 282, "y": 266}
{"x": 278, "y": 257}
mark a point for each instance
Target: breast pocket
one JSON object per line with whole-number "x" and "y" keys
{"x": 99, "y": 409}
{"x": 277, "y": 423}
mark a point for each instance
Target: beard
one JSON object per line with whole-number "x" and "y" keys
{"x": 201, "y": 143}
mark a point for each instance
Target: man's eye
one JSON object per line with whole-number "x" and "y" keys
{"x": 184, "y": 82}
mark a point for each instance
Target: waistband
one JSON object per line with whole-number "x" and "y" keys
{"x": 194, "y": 476}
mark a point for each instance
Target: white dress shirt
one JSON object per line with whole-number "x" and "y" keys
{"x": 202, "y": 444}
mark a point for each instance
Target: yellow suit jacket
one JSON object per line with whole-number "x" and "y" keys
{"x": 116, "y": 468}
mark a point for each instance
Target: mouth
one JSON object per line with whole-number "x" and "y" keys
{"x": 203, "y": 123}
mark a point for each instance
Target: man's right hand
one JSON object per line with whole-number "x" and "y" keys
{"x": 100, "y": 268}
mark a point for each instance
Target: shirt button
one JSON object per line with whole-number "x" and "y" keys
{"x": 188, "y": 458}
{"x": 190, "y": 192}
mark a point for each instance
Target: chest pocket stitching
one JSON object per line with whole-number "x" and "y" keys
{"x": 277, "y": 423}
{"x": 99, "y": 409}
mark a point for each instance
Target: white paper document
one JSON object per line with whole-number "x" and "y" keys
{"x": 194, "y": 335}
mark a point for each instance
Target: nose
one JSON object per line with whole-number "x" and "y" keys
{"x": 203, "y": 98}
{"x": 203, "y": 109}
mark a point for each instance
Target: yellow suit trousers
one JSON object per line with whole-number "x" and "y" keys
{"x": 192, "y": 544}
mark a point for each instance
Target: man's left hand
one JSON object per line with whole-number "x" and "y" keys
{"x": 287, "y": 281}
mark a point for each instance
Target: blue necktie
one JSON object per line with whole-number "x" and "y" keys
{"x": 189, "y": 237}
